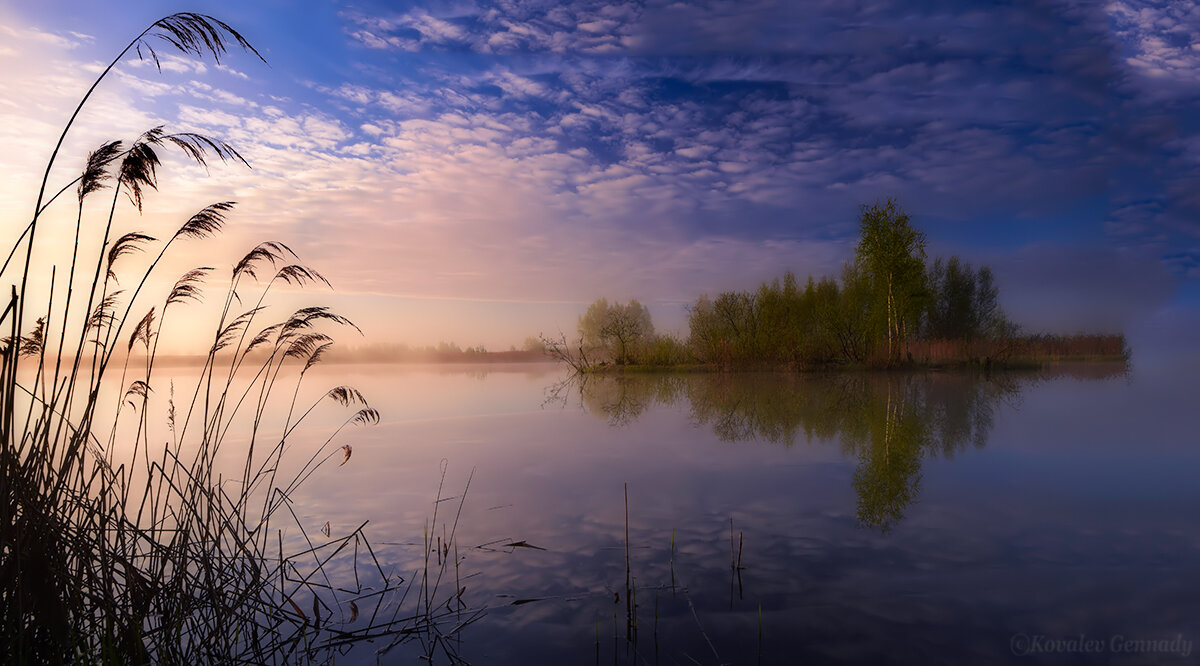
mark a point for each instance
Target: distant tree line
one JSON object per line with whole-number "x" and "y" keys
{"x": 888, "y": 307}
{"x": 886, "y": 297}
{"x": 443, "y": 352}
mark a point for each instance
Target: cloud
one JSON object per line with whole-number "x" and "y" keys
{"x": 795, "y": 106}
{"x": 170, "y": 63}
{"x": 32, "y": 38}
{"x": 562, "y": 151}
{"x": 1154, "y": 129}
{"x": 500, "y": 27}
{"x": 1159, "y": 44}
{"x": 233, "y": 72}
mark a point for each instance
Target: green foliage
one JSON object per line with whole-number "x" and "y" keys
{"x": 723, "y": 330}
{"x": 878, "y": 304}
{"x": 849, "y": 314}
{"x": 617, "y": 332}
{"x": 888, "y": 477}
{"x": 886, "y": 309}
{"x": 782, "y": 324}
{"x": 665, "y": 351}
{"x": 883, "y": 301}
{"x": 891, "y": 253}
{"x": 785, "y": 321}
{"x": 889, "y": 423}
{"x": 963, "y": 303}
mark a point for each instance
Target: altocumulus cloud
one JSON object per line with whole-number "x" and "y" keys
{"x": 565, "y": 150}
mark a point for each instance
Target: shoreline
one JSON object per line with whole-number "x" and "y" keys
{"x": 1009, "y": 365}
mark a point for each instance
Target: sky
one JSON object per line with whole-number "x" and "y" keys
{"x": 481, "y": 170}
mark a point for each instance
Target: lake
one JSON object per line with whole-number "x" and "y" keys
{"x": 768, "y": 518}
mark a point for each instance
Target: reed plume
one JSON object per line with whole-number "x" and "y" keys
{"x": 123, "y": 541}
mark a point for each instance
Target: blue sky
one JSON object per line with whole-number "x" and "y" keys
{"x": 480, "y": 171}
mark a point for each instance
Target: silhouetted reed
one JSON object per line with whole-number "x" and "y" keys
{"x": 123, "y": 538}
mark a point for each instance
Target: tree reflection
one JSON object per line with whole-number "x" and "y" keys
{"x": 888, "y": 476}
{"x": 889, "y": 423}
{"x": 622, "y": 399}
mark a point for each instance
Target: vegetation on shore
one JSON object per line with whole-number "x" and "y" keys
{"x": 890, "y": 308}
{"x": 387, "y": 353}
{"x": 147, "y": 522}
{"x": 443, "y": 352}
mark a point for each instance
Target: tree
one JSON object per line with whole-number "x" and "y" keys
{"x": 616, "y": 329}
{"x": 590, "y": 324}
{"x": 533, "y": 344}
{"x": 888, "y": 477}
{"x": 962, "y": 303}
{"x": 892, "y": 254}
{"x": 954, "y": 295}
{"x": 560, "y": 350}
{"x": 725, "y": 329}
{"x": 704, "y": 331}
{"x": 993, "y": 323}
{"x": 784, "y": 320}
{"x": 845, "y": 314}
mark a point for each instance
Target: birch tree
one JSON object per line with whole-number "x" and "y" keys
{"x": 892, "y": 254}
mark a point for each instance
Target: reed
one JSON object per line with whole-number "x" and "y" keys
{"x": 760, "y": 634}
{"x": 122, "y": 540}
{"x": 1020, "y": 350}
{"x": 629, "y": 621}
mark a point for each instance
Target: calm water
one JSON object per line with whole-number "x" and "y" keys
{"x": 924, "y": 518}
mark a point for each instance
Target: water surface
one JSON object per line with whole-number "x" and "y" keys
{"x": 886, "y": 518}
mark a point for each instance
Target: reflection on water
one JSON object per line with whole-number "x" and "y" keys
{"x": 883, "y": 518}
{"x": 887, "y": 423}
